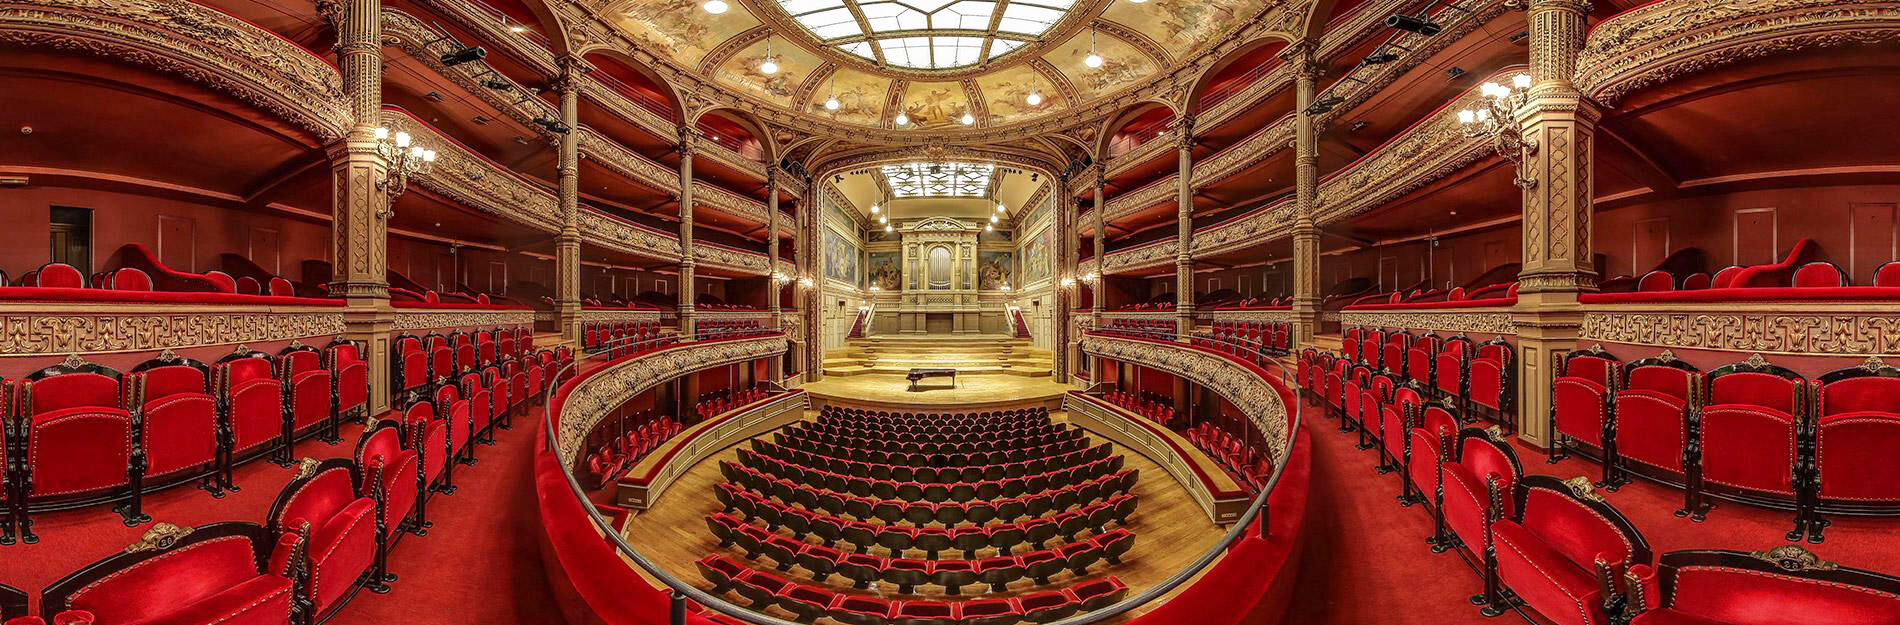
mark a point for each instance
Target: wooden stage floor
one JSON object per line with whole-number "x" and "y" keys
{"x": 1170, "y": 532}
{"x": 936, "y": 393}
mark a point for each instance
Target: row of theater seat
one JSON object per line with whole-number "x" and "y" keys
{"x": 1257, "y": 302}
{"x": 1249, "y": 465}
{"x": 729, "y": 328}
{"x": 1556, "y": 548}
{"x": 1253, "y": 340}
{"x": 720, "y": 402}
{"x": 1818, "y": 274}
{"x": 1004, "y": 537}
{"x": 1479, "y": 377}
{"x": 764, "y": 589}
{"x": 863, "y": 508}
{"x": 1750, "y": 431}
{"x": 615, "y": 447}
{"x": 1056, "y": 472}
{"x": 957, "y": 460}
{"x": 1147, "y": 307}
{"x": 79, "y": 433}
{"x": 62, "y": 275}
{"x": 926, "y": 473}
{"x": 965, "y": 434}
{"x": 868, "y": 416}
{"x": 1154, "y": 407}
{"x": 622, "y": 338}
{"x": 1150, "y": 328}
{"x": 996, "y": 439}
{"x": 924, "y": 424}
{"x": 434, "y": 358}
{"x": 328, "y": 534}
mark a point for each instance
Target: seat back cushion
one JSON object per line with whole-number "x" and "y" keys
{"x": 1861, "y": 394}
{"x": 160, "y": 585}
{"x": 79, "y": 450}
{"x": 1759, "y": 389}
{"x": 73, "y": 390}
{"x": 1573, "y": 529}
{"x": 319, "y": 499}
{"x": 1741, "y": 597}
{"x": 1580, "y": 409}
{"x": 1666, "y": 380}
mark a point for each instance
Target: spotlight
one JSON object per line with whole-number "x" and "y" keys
{"x": 715, "y": 7}
{"x": 552, "y": 125}
{"x": 1325, "y": 104}
{"x": 1411, "y": 24}
{"x": 968, "y": 119}
{"x": 1034, "y": 99}
{"x": 498, "y": 84}
{"x": 1381, "y": 59}
{"x": 467, "y": 54}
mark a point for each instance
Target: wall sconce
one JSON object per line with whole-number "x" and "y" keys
{"x": 1068, "y": 282}
{"x": 1091, "y": 277}
{"x": 1496, "y": 120}
{"x": 780, "y": 278}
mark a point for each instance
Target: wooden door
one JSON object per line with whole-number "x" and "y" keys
{"x": 265, "y": 250}
{"x": 1872, "y": 226}
{"x": 175, "y": 243}
{"x": 1756, "y": 242}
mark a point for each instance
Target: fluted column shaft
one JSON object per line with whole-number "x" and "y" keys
{"x": 686, "y": 146}
{"x": 567, "y": 246}
{"x": 1558, "y": 129}
{"x": 1101, "y": 242}
{"x": 1184, "y": 238}
{"x": 1306, "y": 295}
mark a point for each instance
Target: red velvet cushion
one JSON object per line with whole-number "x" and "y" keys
{"x": 130, "y": 279}
{"x": 247, "y": 369}
{"x": 79, "y": 450}
{"x": 352, "y": 385}
{"x": 341, "y": 548}
{"x": 1486, "y": 382}
{"x": 310, "y": 398}
{"x": 1466, "y": 497}
{"x": 262, "y": 600}
{"x": 59, "y": 275}
{"x": 1450, "y": 373}
{"x": 1574, "y": 531}
{"x": 1667, "y": 380}
{"x": 1657, "y": 281}
{"x": 1748, "y": 446}
{"x": 1856, "y": 452}
{"x": 1549, "y": 581}
{"x": 72, "y": 390}
{"x": 1864, "y": 394}
{"x": 1759, "y": 389}
{"x": 1579, "y": 405}
{"x": 1589, "y": 368}
{"x": 1651, "y": 427}
{"x": 257, "y": 413}
{"x": 1887, "y": 275}
{"x": 162, "y": 381}
{"x": 180, "y": 433}
{"x": 319, "y": 499}
{"x": 176, "y": 580}
{"x": 1813, "y": 275}
{"x": 1696, "y": 281}
{"x": 1739, "y": 597}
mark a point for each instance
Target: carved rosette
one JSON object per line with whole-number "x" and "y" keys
{"x": 1453, "y": 321}
{"x": 598, "y": 395}
{"x": 42, "y": 332}
{"x": 1247, "y": 391}
{"x": 1845, "y": 333}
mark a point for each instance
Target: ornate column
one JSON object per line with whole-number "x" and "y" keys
{"x": 361, "y": 203}
{"x": 807, "y": 249}
{"x": 771, "y": 240}
{"x": 567, "y": 247}
{"x": 1184, "y": 237}
{"x": 1069, "y": 247}
{"x": 1306, "y": 295}
{"x": 1558, "y": 128}
{"x": 686, "y": 146}
{"x": 1101, "y": 238}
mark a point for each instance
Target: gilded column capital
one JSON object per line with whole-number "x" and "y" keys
{"x": 688, "y": 142}
{"x": 1300, "y": 56}
{"x": 1184, "y": 132}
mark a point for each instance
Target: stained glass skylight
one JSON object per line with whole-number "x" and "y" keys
{"x": 926, "y": 179}
{"x": 927, "y": 34}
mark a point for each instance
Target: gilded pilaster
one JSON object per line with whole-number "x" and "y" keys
{"x": 687, "y": 145}
{"x": 771, "y": 240}
{"x": 1184, "y": 237}
{"x": 360, "y": 228}
{"x": 1101, "y": 238}
{"x": 1558, "y": 126}
{"x": 1070, "y": 247}
{"x": 1306, "y": 295}
{"x": 567, "y": 247}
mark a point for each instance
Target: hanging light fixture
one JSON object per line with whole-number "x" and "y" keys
{"x": 768, "y": 67}
{"x": 968, "y": 119}
{"x": 993, "y": 219}
{"x": 874, "y": 208}
{"x": 989, "y": 228}
{"x": 1001, "y": 208}
{"x": 901, "y": 119}
{"x": 715, "y": 7}
{"x": 1093, "y": 60}
{"x": 887, "y": 227}
{"x": 1034, "y": 99}
{"x": 831, "y": 103}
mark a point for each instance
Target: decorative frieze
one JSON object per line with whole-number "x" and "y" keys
{"x": 1243, "y": 388}
{"x": 474, "y": 181}
{"x": 1142, "y": 257}
{"x": 605, "y": 231}
{"x": 202, "y": 44}
{"x": 727, "y": 258}
{"x": 42, "y": 330}
{"x": 1451, "y": 320}
{"x": 1161, "y": 190}
{"x": 407, "y": 320}
{"x": 598, "y": 395}
{"x": 1266, "y": 316}
{"x": 1849, "y": 331}
{"x": 591, "y": 315}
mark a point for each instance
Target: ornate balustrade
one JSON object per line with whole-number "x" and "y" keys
{"x": 422, "y": 320}
{"x": 1480, "y": 320}
{"x": 1241, "y": 384}
{"x": 648, "y": 480}
{"x": 1223, "y": 499}
{"x": 584, "y": 402}
{"x": 120, "y": 330}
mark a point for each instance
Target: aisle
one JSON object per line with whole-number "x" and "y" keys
{"x": 1366, "y": 559}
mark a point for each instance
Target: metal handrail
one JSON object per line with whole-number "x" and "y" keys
{"x": 681, "y": 590}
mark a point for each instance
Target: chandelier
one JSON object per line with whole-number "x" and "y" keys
{"x": 403, "y": 159}
{"x": 1497, "y": 121}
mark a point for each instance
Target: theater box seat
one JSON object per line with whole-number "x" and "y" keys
{"x": 213, "y": 574}
{"x": 1565, "y": 549}
{"x": 323, "y": 521}
{"x": 1785, "y": 585}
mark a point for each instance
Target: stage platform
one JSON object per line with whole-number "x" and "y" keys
{"x": 973, "y": 392}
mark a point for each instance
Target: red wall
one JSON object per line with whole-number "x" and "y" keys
{"x": 1855, "y": 225}
{"x": 201, "y": 231}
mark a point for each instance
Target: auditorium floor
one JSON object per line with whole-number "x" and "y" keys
{"x": 970, "y": 389}
{"x": 1170, "y": 531}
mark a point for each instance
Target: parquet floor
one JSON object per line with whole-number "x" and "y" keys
{"x": 1170, "y": 532}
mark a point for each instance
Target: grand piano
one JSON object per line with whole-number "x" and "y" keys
{"x": 919, "y": 373}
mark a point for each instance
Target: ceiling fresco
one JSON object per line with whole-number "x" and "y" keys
{"x": 817, "y": 61}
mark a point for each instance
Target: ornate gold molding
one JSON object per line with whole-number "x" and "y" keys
{"x": 1270, "y": 316}
{"x": 598, "y": 395}
{"x": 597, "y": 314}
{"x": 1661, "y": 41}
{"x": 726, "y": 258}
{"x": 1823, "y": 330}
{"x": 434, "y": 319}
{"x": 1145, "y": 256}
{"x": 1247, "y": 391}
{"x": 474, "y": 181}
{"x": 605, "y": 231}
{"x": 1454, "y": 320}
{"x": 1158, "y": 191}
{"x": 202, "y": 44}
{"x": 49, "y": 329}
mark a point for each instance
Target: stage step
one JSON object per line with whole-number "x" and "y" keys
{"x": 970, "y": 354}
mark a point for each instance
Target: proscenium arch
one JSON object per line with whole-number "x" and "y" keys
{"x": 674, "y": 102}
{"x": 1213, "y": 70}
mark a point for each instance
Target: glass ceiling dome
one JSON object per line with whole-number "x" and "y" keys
{"x": 927, "y": 34}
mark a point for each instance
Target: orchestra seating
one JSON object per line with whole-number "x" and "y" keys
{"x": 884, "y": 498}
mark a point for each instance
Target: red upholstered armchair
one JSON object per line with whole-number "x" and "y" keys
{"x": 253, "y": 402}
{"x": 1352, "y": 396}
{"x": 1491, "y": 382}
{"x": 457, "y": 415}
{"x": 1580, "y": 404}
{"x": 498, "y": 391}
{"x": 1856, "y": 430}
{"x": 173, "y": 575}
{"x": 71, "y": 441}
{"x": 325, "y": 532}
{"x": 409, "y": 368}
{"x": 1449, "y": 369}
{"x": 1349, "y": 343}
{"x": 1424, "y": 436}
{"x": 1657, "y": 281}
{"x": 1747, "y": 439}
{"x": 1696, "y": 281}
{"x": 349, "y": 372}
{"x": 1888, "y": 274}
{"x": 1395, "y": 421}
{"x": 1474, "y": 459}
{"x": 1564, "y": 552}
{"x": 481, "y": 406}
{"x": 58, "y": 275}
{"x": 1649, "y": 419}
{"x": 1820, "y": 274}
{"x": 309, "y": 397}
{"x": 1392, "y": 354}
{"x": 1421, "y": 358}
{"x": 441, "y": 357}
{"x": 392, "y": 476}
{"x": 464, "y": 346}
{"x": 178, "y": 422}
{"x": 428, "y": 435}
{"x": 1785, "y": 585}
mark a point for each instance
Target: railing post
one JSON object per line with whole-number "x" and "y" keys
{"x": 1263, "y": 520}
{"x": 678, "y": 614}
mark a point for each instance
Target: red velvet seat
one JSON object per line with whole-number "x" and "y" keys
{"x": 77, "y": 440}
{"x": 1749, "y": 436}
{"x": 1782, "y": 586}
{"x": 1045, "y": 607}
{"x": 988, "y": 612}
{"x": 350, "y": 372}
{"x": 382, "y": 453}
{"x": 411, "y": 367}
{"x": 721, "y": 571}
{"x": 254, "y": 404}
{"x": 1564, "y": 551}
{"x": 130, "y": 279}
{"x": 862, "y": 610}
{"x": 1096, "y": 594}
{"x": 806, "y": 602}
{"x": 179, "y": 432}
{"x": 1696, "y": 281}
{"x": 474, "y": 392}
{"x": 1476, "y": 461}
{"x": 1489, "y": 385}
{"x": 178, "y": 576}
{"x": 441, "y": 357}
{"x": 1650, "y": 418}
{"x": 1820, "y": 274}
{"x": 1423, "y": 455}
{"x": 1856, "y": 431}
{"x": 311, "y": 395}
{"x": 326, "y": 532}
{"x": 1449, "y": 368}
{"x": 1888, "y": 274}
{"x": 924, "y": 613}
{"x": 1580, "y": 400}
{"x": 1656, "y": 281}
{"x": 58, "y": 275}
